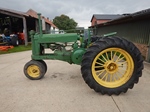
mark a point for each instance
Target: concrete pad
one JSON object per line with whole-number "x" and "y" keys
{"x": 61, "y": 90}
{"x": 137, "y": 99}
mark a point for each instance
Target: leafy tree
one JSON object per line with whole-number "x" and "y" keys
{"x": 63, "y": 22}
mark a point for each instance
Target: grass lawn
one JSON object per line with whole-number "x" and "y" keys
{"x": 17, "y": 49}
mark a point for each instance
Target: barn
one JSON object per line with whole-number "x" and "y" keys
{"x": 23, "y": 22}
{"x": 135, "y": 27}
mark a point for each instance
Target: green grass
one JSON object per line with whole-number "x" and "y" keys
{"x": 17, "y": 49}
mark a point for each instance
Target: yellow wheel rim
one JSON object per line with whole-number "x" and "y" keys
{"x": 112, "y": 67}
{"x": 33, "y": 71}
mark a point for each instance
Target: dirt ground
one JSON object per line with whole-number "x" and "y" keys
{"x": 63, "y": 90}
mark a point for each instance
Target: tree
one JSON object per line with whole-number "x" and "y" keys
{"x": 63, "y": 22}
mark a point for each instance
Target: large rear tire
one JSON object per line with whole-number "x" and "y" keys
{"x": 112, "y": 65}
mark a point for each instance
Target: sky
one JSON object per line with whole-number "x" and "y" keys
{"x": 79, "y": 10}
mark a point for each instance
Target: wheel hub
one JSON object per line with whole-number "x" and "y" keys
{"x": 111, "y": 67}
{"x": 33, "y": 71}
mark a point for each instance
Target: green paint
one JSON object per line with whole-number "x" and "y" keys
{"x": 77, "y": 54}
{"x": 47, "y": 38}
{"x": 40, "y": 24}
{"x": 58, "y": 43}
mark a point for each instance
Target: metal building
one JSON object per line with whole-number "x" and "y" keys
{"x": 134, "y": 27}
{"x": 23, "y": 22}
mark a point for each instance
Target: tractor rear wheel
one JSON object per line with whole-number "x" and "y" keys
{"x": 34, "y": 70}
{"x": 112, "y": 65}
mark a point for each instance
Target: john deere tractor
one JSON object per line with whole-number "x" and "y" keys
{"x": 109, "y": 64}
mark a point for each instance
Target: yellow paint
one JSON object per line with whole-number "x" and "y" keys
{"x": 33, "y": 71}
{"x": 112, "y": 67}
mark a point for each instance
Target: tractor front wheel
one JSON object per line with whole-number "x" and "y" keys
{"x": 45, "y": 66}
{"x": 112, "y": 65}
{"x": 34, "y": 70}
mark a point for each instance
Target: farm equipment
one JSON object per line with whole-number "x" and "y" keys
{"x": 9, "y": 40}
{"x": 109, "y": 65}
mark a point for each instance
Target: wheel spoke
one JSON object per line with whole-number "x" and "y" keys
{"x": 114, "y": 56}
{"x": 118, "y": 58}
{"x": 101, "y": 60}
{"x": 99, "y": 66}
{"x": 123, "y": 62}
{"x": 117, "y": 76}
{"x": 99, "y": 63}
{"x": 121, "y": 70}
{"x": 120, "y": 74}
{"x": 111, "y": 55}
{"x": 99, "y": 70}
{"x": 110, "y": 78}
{"x": 104, "y": 58}
{"x": 100, "y": 73}
{"x": 107, "y": 56}
{"x": 121, "y": 58}
{"x": 113, "y": 79}
{"x": 104, "y": 75}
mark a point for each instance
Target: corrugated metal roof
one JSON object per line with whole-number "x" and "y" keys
{"x": 49, "y": 22}
{"x": 143, "y": 12}
{"x": 33, "y": 14}
{"x": 108, "y": 16}
{"x": 13, "y": 11}
{"x": 127, "y": 17}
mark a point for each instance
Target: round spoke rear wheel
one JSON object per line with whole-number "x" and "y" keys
{"x": 112, "y": 65}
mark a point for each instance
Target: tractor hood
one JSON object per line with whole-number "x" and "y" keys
{"x": 47, "y": 38}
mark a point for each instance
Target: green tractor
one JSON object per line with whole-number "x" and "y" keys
{"x": 109, "y": 65}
